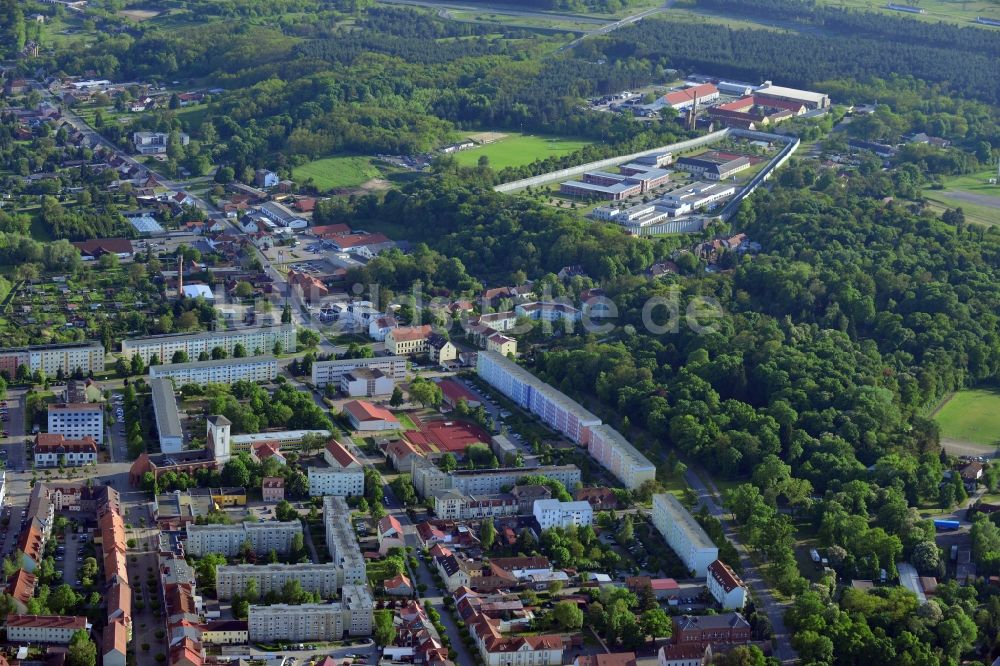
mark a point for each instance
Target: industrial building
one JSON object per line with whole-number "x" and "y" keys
{"x": 330, "y": 372}
{"x": 812, "y": 100}
{"x": 714, "y": 165}
{"x": 633, "y": 181}
{"x": 684, "y": 534}
{"x": 168, "y": 420}
{"x": 255, "y": 341}
{"x": 262, "y": 368}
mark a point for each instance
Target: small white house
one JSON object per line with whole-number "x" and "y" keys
{"x": 725, "y": 586}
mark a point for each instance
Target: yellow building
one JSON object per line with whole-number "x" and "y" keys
{"x": 225, "y": 632}
{"x": 407, "y": 340}
{"x": 502, "y": 345}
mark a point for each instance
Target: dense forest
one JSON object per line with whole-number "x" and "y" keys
{"x": 807, "y": 57}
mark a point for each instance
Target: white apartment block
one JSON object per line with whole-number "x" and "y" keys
{"x": 323, "y": 579}
{"x": 551, "y": 312}
{"x": 683, "y": 534}
{"x": 76, "y": 421}
{"x": 352, "y": 615}
{"x": 228, "y": 540}
{"x": 552, "y": 513}
{"x": 615, "y": 454}
{"x": 531, "y": 393}
{"x": 256, "y": 341}
{"x": 428, "y": 478}
{"x": 725, "y": 586}
{"x": 54, "y": 450}
{"x": 44, "y": 628}
{"x": 87, "y": 357}
{"x": 342, "y": 483}
{"x": 262, "y": 368}
{"x": 341, "y": 542}
{"x": 330, "y": 372}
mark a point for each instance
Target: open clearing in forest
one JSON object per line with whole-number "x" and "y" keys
{"x": 516, "y": 149}
{"x": 971, "y": 418}
{"x": 336, "y": 172}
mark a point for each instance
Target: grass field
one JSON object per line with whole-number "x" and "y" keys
{"x": 519, "y": 149}
{"x": 971, "y": 416}
{"x": 955, "y": 11}
{"x": 334, "y": 172}
{"x": 957, "y": 192}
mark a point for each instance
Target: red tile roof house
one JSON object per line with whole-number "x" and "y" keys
{"x": 57, "y": 629}
{"x": 400, "y": 453}
{"x": 365, "y": 416}
{"x": 53, "y": 450}
{"x": 398, "y": 586}
{"x": 390, "y": 534}
{"x": 21, "y": 587}
{"x": 452, "y": 392}
{"x": 499, "y": 650}
{"x": 264, "y": 450}
{"x": 338, "y": 457}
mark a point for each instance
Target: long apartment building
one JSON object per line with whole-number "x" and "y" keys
{"x": 352, "y": 615}
{"x": 229, "y": 539}
{"x": 168, "y": 419}
{"x": 341, "y": 542}
{"x": 428, "y": 478}
{"x": 607, "y": 446}
{"x": 551, "y": 406}
{"x": 262, "y": 368}
{"x": 323, "y": 579}
{"x": 339, "y": 482}
{"x": 617, "y": 455}
{"x": 77, "y": 420}
{"x": 684, "y": 534}
{"x": 330, "y": 372}
{"x": 256, "y": 341}
{"x": 57, "y": 629}
{"x": 87, "y": 357}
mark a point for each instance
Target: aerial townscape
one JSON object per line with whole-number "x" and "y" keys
{"x": 499, "y": 333}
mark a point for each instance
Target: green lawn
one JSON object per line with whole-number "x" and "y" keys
{"x": 333, "y": 172}
{"x": 519, "y": 149}
{"x": 954, "y": 11}
{"x": 971, "y": 416}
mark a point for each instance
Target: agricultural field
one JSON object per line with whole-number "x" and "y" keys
{"x": 979, "y": 200}
{"x": 332, "y": 173}
{"x": 971, "y": 417}
{"x": 516, "y": 149}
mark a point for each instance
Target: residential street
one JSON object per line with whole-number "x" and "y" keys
{"x": 751, "y": 576}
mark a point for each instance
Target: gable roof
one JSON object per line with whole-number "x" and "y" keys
{"x": 410, "y": 333}
{"x": 724, "y": 575}
{"x": 363, "y": 410}
{"x": 340, "y": 454}
{"x": 98, "y": 246}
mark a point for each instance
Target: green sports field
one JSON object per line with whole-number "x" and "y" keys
{"x": 334, "y": 172}
{"x": 971, "y": 416}
{"x": 519, "y": 149}
{"x": 979, "y": 200}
